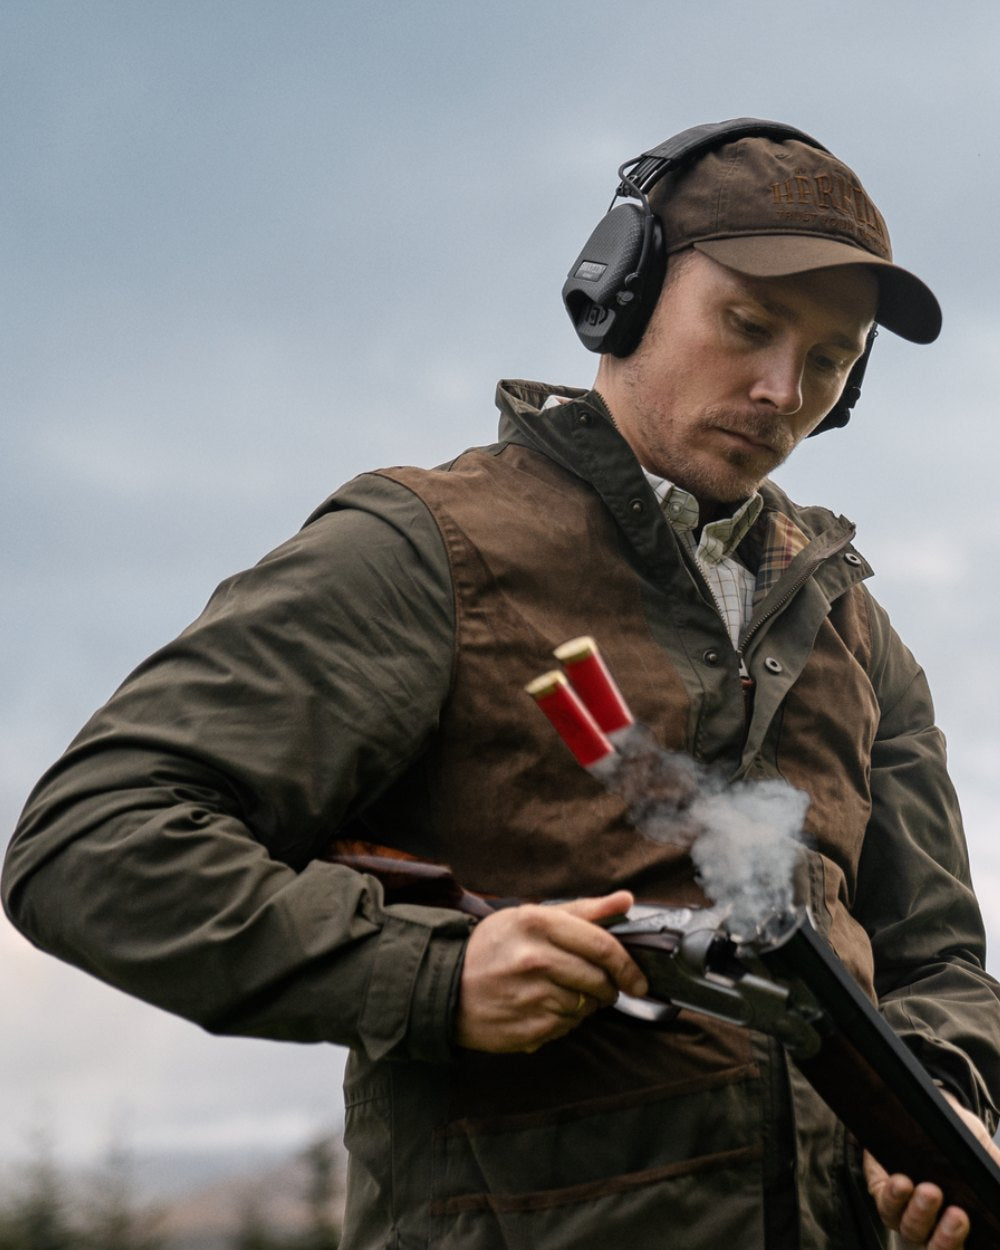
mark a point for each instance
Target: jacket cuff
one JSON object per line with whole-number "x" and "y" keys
{"x": 435, "y": 1000}
{"x": 410, "y": 999}
{"x": 951, "y": 1070}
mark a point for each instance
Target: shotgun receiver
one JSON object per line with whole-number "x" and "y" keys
{"x": 786, "y": 982}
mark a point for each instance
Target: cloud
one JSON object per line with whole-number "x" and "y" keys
{"x": 928, "y": 561}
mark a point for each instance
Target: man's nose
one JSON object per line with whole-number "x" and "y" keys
{"x": 779, "y": 382}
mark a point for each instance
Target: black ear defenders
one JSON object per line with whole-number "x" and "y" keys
{"x": 613, "y": 285}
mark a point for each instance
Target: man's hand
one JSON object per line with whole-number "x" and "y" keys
{"x": 533, "y": 972}
{"x": 914, "y": 1210}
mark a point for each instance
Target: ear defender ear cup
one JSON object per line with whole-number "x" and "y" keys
{"x": 612, "y": 288}
{"x": 840, "y": 413}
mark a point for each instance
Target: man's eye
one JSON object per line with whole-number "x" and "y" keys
{"x": 752, "y": 329}
{"x": 827, "y": 364}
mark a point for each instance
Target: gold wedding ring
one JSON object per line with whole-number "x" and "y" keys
{"x": 581, "y": 1002}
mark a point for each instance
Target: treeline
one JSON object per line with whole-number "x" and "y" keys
{"x": 43, "y": 1208}
{"x": 322, "y": 1161}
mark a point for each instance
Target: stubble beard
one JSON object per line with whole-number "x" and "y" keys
{"x": 699, "y": 461}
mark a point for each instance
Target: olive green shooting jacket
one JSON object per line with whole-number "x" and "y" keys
{"x": 366, "y": 679}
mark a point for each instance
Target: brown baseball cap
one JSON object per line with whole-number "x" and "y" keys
{"x": 770, "y": 209}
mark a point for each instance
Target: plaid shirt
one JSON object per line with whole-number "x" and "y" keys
{"x": 731, "y": 583}
{"x": 768, "y": 547}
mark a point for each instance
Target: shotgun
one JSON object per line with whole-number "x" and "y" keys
{"x": 786, "y": 982}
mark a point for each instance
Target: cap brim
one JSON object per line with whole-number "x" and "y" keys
{"x": 906, "y": 306}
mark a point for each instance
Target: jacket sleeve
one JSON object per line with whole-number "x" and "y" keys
{"x": 172, "y": 850}
{"x": 915, "y": 895}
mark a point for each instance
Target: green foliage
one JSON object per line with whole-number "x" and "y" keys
{"x": 36, "y": 1215}
{"x": 112, "y": 1218}
{"x": 38, "y": 1212}
{"x": 321, "y": 1158}
{"x": 254, "y": 1233}
{"x": 40, "y": 1209}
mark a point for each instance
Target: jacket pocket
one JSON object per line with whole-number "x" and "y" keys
{"x": 644, "y": 1169}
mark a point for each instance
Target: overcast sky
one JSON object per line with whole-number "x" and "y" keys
{"x": 252, "y": 248}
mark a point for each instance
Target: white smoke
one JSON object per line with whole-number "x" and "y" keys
{"x": 745, "y": 855}
{"x": 743, "y": 838}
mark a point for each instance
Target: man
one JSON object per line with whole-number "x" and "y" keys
{"x": 365, "y": 681}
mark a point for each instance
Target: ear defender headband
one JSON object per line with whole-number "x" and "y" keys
{"x": 613, "y": 286}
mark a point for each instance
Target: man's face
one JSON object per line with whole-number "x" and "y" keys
{"x": 733, "y": 372}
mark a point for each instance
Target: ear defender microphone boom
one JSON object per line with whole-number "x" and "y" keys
{"x": 613, "y": 285}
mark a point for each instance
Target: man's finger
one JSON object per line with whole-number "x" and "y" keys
{"x": 914, "y": 1211}
{"x": 601, "y": 907}
{"x": 592, "y": 943}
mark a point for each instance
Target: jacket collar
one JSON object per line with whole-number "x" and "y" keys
{"x": 582, "y": 438}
